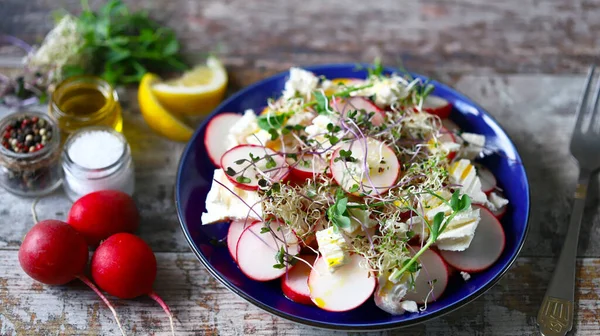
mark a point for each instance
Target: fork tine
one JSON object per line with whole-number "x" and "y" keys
{"x": 582, "y": 104}
{"x": 594, "y": 121}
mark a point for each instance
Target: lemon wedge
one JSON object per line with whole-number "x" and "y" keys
{"x": 196, "y": 92}
{"x": 158, "y": 118}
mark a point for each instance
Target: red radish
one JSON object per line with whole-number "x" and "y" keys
{"x": 437, "y": 106}
{"x": 250, "y": 163}
{"x": 216, "y": 129}
{"x": 236, "y": 228}
{"x": 345, "y": 289}
{"x": 488, "y": 180}
{"x": 486, "y": 247}
{"x": 101, "y": 214}
{"x": 256, "y": 251}
{"x": 349, "y": 171}
{"x": 360, "y": 104}
{"x": 295, "y": 283}
{"x": 54, "y": 253}
{"x": 125, "y": 266}
{"x": 434, "y": 274}
{"x": 450, "y": 125}
{"x": 307, "y": 166}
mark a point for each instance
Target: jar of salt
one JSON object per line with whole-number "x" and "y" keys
{"x": 97, "y": 158}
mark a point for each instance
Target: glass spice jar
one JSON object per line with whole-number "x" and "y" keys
{"x": 97, "y": 158}
{"x": 82, "y": 101}
{"x": 29, "y": 154}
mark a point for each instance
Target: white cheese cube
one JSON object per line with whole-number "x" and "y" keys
{"x": 222, "y": 204}
{"x": 332, "y": 247}
{"x": 496, "y": 202}
{"x": 463, "y": 173}
{"x": 243, "y": 129}
{"x": 300, "y": 83}
{"x": 472, "y": 147}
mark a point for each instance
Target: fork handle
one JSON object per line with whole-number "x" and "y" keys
{"x": 555, "y": 316}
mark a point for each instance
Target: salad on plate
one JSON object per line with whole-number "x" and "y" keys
{"x": 347, "y": 189}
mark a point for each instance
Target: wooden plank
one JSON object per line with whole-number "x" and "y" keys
{"x": 466, "y": 36}
{"x": 203, "y": 306}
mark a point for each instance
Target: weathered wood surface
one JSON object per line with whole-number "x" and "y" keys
{"x": 204, "y": 307}
{"x": 255, "y": 37}
{"x": 481, "y": 47}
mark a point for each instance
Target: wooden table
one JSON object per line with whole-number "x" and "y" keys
{"x": 521, "y": 60}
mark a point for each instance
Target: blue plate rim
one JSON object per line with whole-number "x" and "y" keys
{"x": 335, "y": 326}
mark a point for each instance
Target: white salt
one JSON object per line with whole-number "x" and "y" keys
{"x": 96, "y": 149}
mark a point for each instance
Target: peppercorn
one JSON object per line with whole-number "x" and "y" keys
{"x": 26, "y": 135}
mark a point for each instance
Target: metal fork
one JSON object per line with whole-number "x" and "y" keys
{"x": 556, "y": 313}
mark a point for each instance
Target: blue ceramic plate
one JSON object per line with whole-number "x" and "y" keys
{"x": 194, "y": 180}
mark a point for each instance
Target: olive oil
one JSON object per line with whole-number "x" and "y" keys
{"x": 83, "y": 101}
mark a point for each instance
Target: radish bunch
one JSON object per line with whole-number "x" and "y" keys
{"x": 123, "y": 265}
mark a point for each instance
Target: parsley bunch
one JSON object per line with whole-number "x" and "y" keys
{"x": 122, "y": 45}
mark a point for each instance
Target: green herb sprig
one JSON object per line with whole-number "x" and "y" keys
{"x": 438, "y": 225}
{"x": 122, "y": 45}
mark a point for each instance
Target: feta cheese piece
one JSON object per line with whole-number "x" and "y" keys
{"x": 243, "y": 129}
{"x": 332, "y": 247}
{"x": 358, "y": 219}
{"x": 466, "y": 276}
{"x": 496, "y": 202}
{"x": 472, "y": 146}
{"x": 460, "y": 231}
{"x": 300, "y": 83}
{"x": 388, "y": 296}
{"x": 300, "y": 118}
{"x": 318, "y": 128}
{"x": 260, "y": 138}
{"x": 463, "y": 173}
{"x": 386, "y": 90}
{"x": 222, "y": 204}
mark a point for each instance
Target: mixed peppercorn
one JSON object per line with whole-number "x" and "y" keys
{"x": 26, "y": 135}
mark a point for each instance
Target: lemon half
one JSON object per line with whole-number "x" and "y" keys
{"x": 196, "y": 92}
{"x": 157, "y": 116}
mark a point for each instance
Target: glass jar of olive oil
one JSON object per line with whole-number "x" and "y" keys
{"x": 82, "y": 101}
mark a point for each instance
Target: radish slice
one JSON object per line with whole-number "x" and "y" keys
{"x": 434, "y": 273}
{"x": 445, "y": 139}
{"x": 256, "y": 251}
{"x": 345, "y": 289}
{"x": 361, "y": 104}
{"x": 307, "y": 166}
{"x": 236, "y": 228}
{"x": 437, "y": 106}
{"x": 488, "y": 180}
{"x": 450, "y": 125}
{"x": 486, "y": 247}
{"x": 217, "y": 127}
{"x": 245, "y": 165}
{"x": 349, "y": 171}
{"x": 295, "y": 283}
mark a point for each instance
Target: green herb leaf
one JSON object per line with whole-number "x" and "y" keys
{"x": 264, "y": 229}
{"x": 229, "y": 171}
{"x": 243, "y": 179}
{"x": 271, "y": 121}
{"x": 321, "y": 102}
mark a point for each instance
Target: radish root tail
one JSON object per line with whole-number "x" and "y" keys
{"x": 164, "y": 306}
{"x": 87, "y": 281}
{"x": 33, "y": 213}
